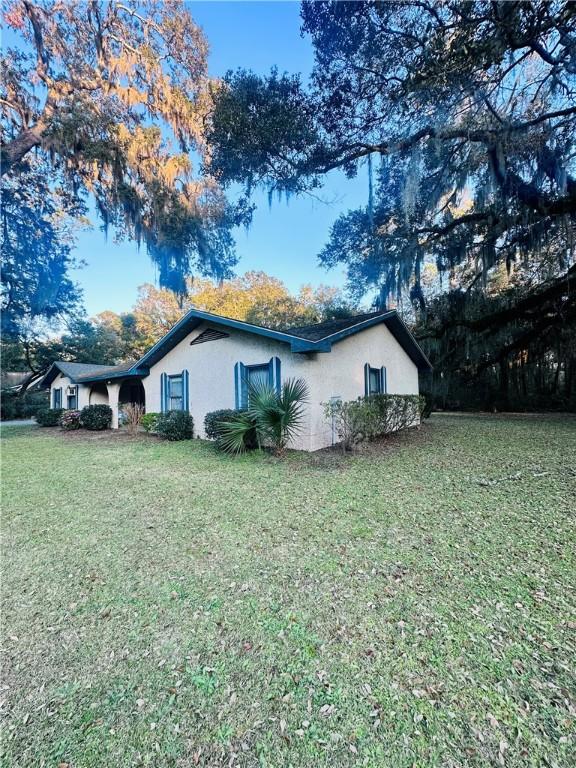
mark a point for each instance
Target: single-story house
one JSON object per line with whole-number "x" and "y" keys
{"x": 205, "y": 361}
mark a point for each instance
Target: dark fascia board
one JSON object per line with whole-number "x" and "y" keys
{"x": 397, "y": 328}
{"x": 51, "y": 374}
{"x": 129, "y": 373}
{"x": 194, "y": 317}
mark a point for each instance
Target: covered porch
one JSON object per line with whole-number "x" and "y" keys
{"x": 116, "y": 389}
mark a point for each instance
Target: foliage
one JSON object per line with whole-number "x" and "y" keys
{"x": 255, "y": 297}
{"x": 375, "y": 416}
{"x": 465, "y": 117}
{"x": 474, "y": 105}
{"x": 439, "y": 565}
{"x": 49, "y": 417}
{"x": 213, "y": 419}
{"x": 175, "y": 425}
{"x": 239, "y": 433}
{"x": 133, "y": 413}
{"x": 116, "y": 98}
{"x": 37, "y": 239}
{"x": 71, "y": 420}
{"x": 514, "y": 349}
{"x": 18, "y": 405}
{"x": 274, "y": 418}
{"x": 149, "y": 421}
{"x": 96, "y": 417}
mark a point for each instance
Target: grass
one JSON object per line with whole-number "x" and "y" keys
{"x": 411, "y": 606}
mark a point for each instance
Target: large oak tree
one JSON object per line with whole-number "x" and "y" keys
{"x": 466, "y": 116}
{"x": 115, "y": 94}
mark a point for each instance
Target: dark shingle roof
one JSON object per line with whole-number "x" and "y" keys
{"x": 82, "y": 371}
{"x": 102, "y": 370}
{"x": 322, "y": 330}
{"x": 79, "y": 369}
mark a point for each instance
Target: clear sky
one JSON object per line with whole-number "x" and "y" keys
{"x": 284, "y": 240}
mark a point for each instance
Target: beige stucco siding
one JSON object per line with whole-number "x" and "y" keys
{"x": 63, "y": 382}
{"x": 339, "y": 373}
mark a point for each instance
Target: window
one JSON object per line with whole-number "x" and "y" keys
{"x": 175, "y": 393}
{"x": 255, "y": 375}
{"x": 374, "y": 380}
{"x": 57, "y": 398}
{"x": 374, "y": 387}
{"x": 72, "y": 402}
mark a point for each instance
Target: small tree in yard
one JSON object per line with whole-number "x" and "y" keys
{"x": 272, "y": 418}
{"x": 133, "y": 413}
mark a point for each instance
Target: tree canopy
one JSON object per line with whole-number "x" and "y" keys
{"x": 38, "y": 221}
{"x": 465, "y": 116}
{"x": 116, "y": 95}
{"x": 469, "y": 107}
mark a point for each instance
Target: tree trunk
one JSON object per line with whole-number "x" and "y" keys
{"x": 504, "y": 384}
{"x": 13, "y": 151}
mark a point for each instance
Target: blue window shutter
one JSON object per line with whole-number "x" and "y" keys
{"x": 366, "y": 379}
{"x": 243, "y": 386}
{"x": 383, "y": 382}
{"x": 185, "y": 390}
{"x": 278, "y": 375}
{"x": 237, "y": 385}
{"x": 163, "y": 392}
{"x": 274, "y": 374}
{"x": 240, "y": 386}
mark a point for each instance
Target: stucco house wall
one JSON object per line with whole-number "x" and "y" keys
{"x": 339, "y": 373}
{"x": 63, "y": 382}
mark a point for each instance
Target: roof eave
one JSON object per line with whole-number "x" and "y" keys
{"x": 186, "y": 324}
{"x": 54, "y": 367}
{"x": 129, "y": 373}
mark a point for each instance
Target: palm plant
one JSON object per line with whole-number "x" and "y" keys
{"x": 272, "y": 418}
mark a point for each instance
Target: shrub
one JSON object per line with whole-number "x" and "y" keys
{"x": 213, "y": 419}
{"x": 70, "y": 420}
{"x": 49, "y": 417}
{"x": 18, "y": 405}
{"x": 373, "y": 416}
{"x": 175, "y": 425}
{"x": 149, "y": 421}
{"x": 96, "y": 417}
{"x": 272, "y": 418}
{"x": 133, "y": 413}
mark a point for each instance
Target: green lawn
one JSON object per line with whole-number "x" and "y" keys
{"x": 411, "y": 606}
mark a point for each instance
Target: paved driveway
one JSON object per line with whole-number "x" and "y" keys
{"x": 18, "y": 423}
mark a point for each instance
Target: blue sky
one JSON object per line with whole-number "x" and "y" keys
{"x": 283, "y": 240}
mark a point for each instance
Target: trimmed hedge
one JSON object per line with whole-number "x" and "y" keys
{"x": 49, "y": 417}
{"x": 96, "y": 417}
{"x": 375, "y": 416}
{"x": 149, "y": 421}
{"x": 213, "y": 419}
{"x": 70, "y": 420}
{"x": 175, "y": 425}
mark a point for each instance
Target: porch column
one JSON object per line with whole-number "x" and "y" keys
{"x": 113, "y": 396}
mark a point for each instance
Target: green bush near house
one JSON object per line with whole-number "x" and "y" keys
{"x": 49, "y": 417}
{"x": 175, "y": 425}
{"x": 96, "y": 417}
{"x": 149, "y": 421}
{"x": 374, "y": 416}
{"x": 70, "y": 420}
{"x": 214, "y": 419}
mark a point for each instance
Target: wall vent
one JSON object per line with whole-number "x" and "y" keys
{"x": 210, "y": 334}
